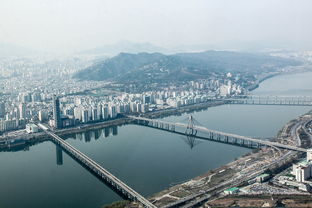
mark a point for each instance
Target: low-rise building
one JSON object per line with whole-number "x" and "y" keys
{"x": 31, "y": 128}
{"x": 232, "y": 190}
{"x": 263, "y": 177}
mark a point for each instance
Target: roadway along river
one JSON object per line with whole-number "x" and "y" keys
{"x": 146, "y": 159}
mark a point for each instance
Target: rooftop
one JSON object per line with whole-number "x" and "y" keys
{"x": 263, "y": 175}
{"x": 232, "y": 189}
{"x": 304, "y": 163}
{"x": 31, "y": 124}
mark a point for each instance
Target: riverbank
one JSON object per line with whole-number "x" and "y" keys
{"x": 265, "y": 160}
{"x": 35, "y": 138}
{"x": 293, "y": 70}
{"x": 262, "y": 78}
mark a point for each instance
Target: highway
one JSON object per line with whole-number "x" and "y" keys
{"x": 196, "y": 199}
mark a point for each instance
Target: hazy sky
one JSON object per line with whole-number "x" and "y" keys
{"x": 81, "y": 24}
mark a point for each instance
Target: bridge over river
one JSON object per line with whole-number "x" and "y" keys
{"x": 269, "y": 100}
{"x": 97, "y": 169}
{"x": 192, "y": 129}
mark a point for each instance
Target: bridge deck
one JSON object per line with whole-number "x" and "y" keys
{"x": 99, "y": 169}
{"x": 268, "y": 100}
{"x": 204, "y": 129}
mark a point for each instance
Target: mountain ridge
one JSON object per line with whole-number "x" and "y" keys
{"x": 180, "y": 66}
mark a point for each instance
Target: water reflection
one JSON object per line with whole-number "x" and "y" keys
{"x": 115, "y": 131}
{"x": 106, "y": 130}
{"x": 86, "y": 136}
{"x": 59, "y": 155}
{"x": 191, "y": 141}
{"x": 95, "y": 134}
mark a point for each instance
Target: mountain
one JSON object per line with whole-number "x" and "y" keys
{"x": 124, "y": 46}
{"x": 182, "y": 66}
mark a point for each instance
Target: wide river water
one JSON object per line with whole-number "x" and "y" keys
{"x": 146, "y": 159}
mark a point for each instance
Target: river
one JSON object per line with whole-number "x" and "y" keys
{"x": 146, "y": 159}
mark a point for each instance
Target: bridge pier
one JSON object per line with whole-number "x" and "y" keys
{"x": 251, "y": 144}
{"x": 161, "y": 125}
{"x": 235, "y": 140}
{"x": 173, "y": 128}
{"x": 218, "y": 137}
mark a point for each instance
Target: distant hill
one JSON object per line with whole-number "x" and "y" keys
{"x": 181, "y": 66}
{"x": 124, "y": 46}
{"x": 7, "y": 49}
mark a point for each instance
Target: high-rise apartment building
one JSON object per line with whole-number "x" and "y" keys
{"x": 57, "y": 113}
{"x": 2, "y": 110}
{"x": 22, "y": 111}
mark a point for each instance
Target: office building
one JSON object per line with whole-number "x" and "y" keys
{"x": 57, "y": 113}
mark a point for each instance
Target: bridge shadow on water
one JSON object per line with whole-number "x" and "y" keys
{"x": 191, "y": 141}
{"x": 59, "y": 161}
